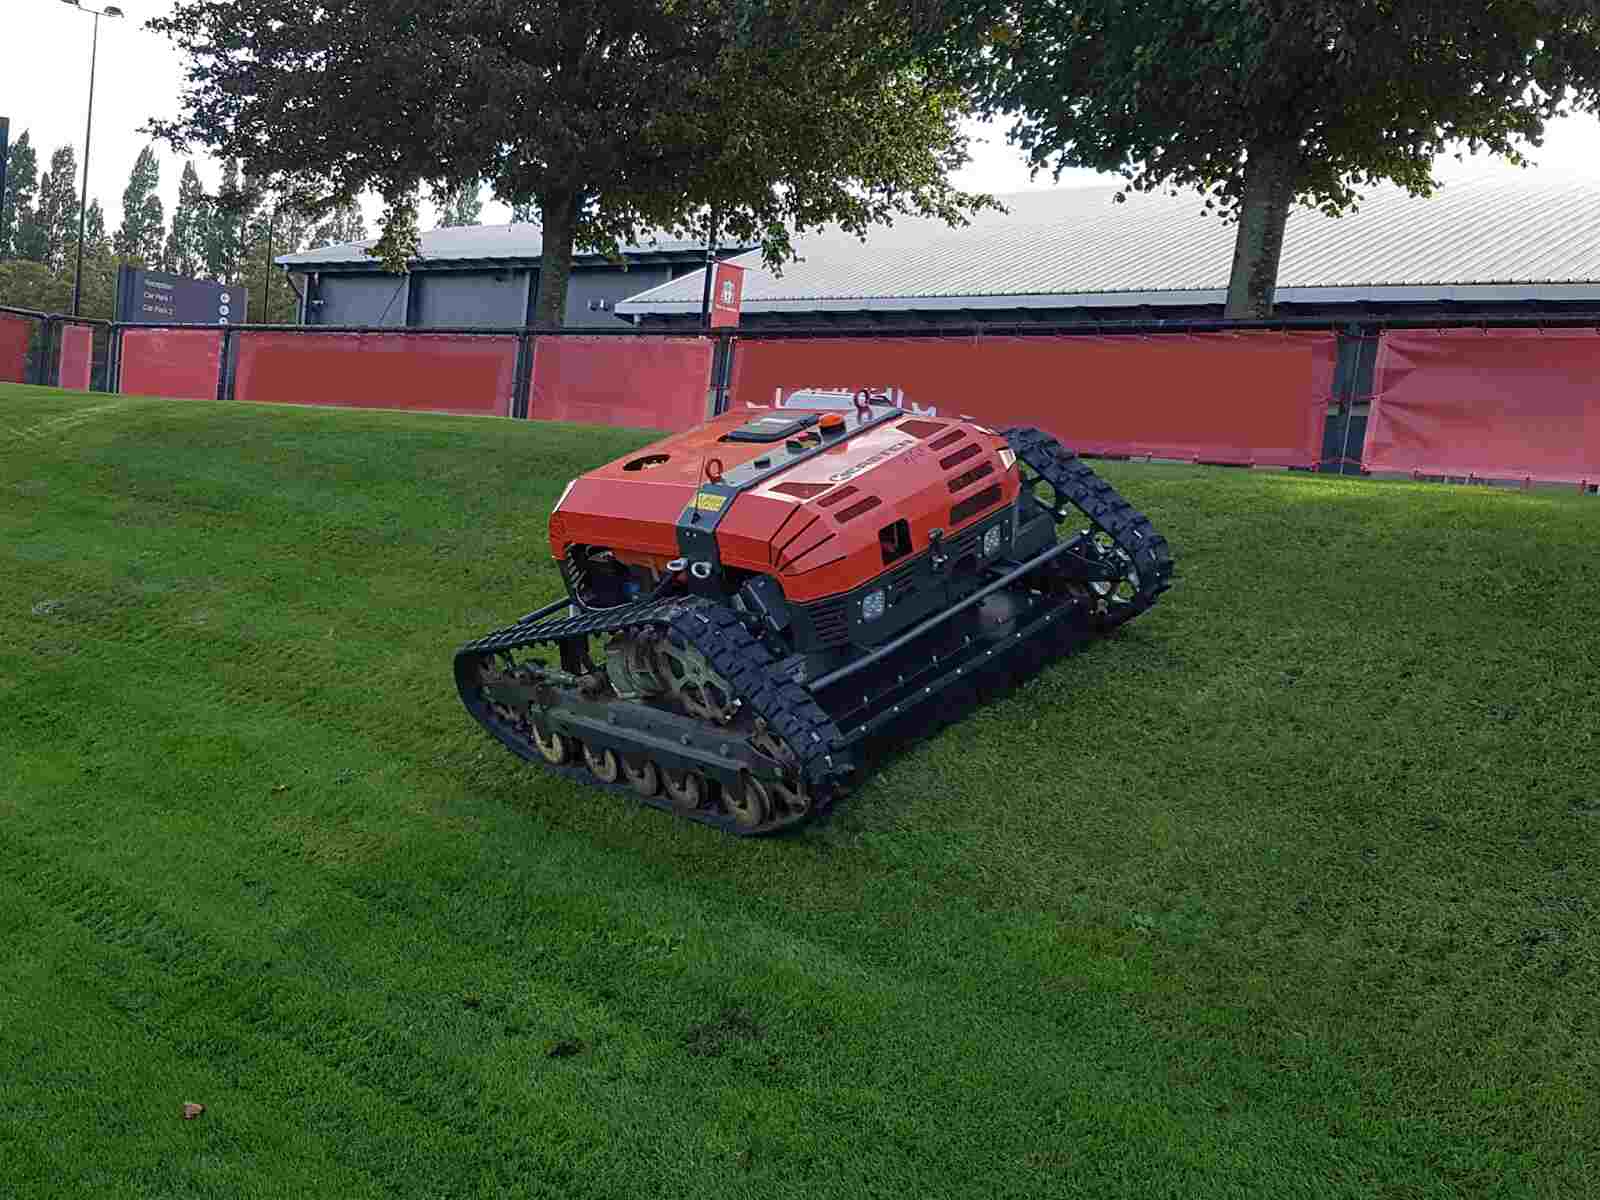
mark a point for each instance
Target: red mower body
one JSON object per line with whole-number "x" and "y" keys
{"x": 814, "y": 507}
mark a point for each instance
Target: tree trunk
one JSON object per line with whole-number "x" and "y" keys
{"x": 1268, "y": 192}
{"x": 558, "y": 211}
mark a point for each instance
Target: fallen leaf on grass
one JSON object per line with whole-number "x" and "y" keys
{"x": 191, "y": 1111}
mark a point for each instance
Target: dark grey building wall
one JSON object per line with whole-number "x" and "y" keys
{"x": 360, "y": 300}
{"x": 477, "y": 298}
{"x": 611, "y": 284}
{"x": 470, "y": 298}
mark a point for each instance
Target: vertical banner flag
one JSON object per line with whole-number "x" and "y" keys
{"x": 727, "y": 292}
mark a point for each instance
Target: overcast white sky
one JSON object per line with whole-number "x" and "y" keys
{"x": 44, "y": 75}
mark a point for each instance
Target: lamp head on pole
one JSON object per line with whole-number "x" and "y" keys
{"x": 111, "y": 10}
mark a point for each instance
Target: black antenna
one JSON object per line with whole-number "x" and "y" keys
{"x": 699, "y": 483}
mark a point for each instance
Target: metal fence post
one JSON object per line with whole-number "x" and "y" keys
{"x": 113, "y": 375}
{"x": 1359, "y": 384}
{"x": 729, "y": 345}
{"x": 42, "y": 374}
{"x": 522, "y": 376}
{"x": 223, "y": 374}
{"x": 529, "y": 374}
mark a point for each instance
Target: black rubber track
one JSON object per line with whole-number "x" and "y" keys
{"x": 718, "y": 634}
{"x": 1075, "y": 481}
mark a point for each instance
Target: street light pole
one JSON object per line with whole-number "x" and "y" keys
{"x": 110, "y": 10}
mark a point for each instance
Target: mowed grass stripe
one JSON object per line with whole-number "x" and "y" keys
{"x": 1286, "y": 888}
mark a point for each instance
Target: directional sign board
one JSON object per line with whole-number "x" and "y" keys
{"x": 157, "y": 298}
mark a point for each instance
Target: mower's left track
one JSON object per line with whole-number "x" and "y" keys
{"x": 770, "y": 759}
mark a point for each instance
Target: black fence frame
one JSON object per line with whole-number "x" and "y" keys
{"x": 44, "y": 355}
{"x": 1348, "y": 405}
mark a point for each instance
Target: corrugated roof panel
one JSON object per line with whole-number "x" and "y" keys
{"x": 459, "y": 242}
{"x": 1494, "y": 225}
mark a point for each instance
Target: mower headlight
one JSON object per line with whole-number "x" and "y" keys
{"x": 872, "y": 605}
{"x": 991, "y": 540}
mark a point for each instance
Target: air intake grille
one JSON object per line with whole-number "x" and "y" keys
{"x": 959, "y": 456}
{"x": 829, "y": 621}
{"x": 919, "y": 429}
{"x": 949, "y": 439}
{"x": 972, "y": 476}
{"x": 974, "y": 503}
{"x": 804, "y": 490}
{"x": 843, "y": 493}
{"x": 856, "y": 509}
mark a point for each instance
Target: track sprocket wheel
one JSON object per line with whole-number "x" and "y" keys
{"x": 692, "y": 682}
{"x": 1114, "y": 594}
{"x": 791, "y": 790}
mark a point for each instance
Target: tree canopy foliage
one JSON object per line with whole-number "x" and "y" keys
{"x": 16, "y": 206}
{"x": 1262, "y": 103}
{"x": 618, "y": 119}
{"x": 142, "y": 235}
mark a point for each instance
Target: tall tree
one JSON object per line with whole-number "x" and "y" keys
{"x": 228, "y": 211}
{"x": 142, "y": 236}
{"x": 617, "y": 118}
{"x": 344, "y": 224}
{"x": 1260, "y": 104}
{"x": 524, "y": 212}
{"x": 94, "y": 230}
{"x": 460, "y": 206}
{"x": 186, "y": 240}
{"x": 16, "y": 206}
{"x": 57, "y": 214}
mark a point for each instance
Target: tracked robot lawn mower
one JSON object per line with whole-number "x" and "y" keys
{"x": 752, "y": 606}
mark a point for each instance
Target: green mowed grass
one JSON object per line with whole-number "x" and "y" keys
{"x": 1289, "y": 889}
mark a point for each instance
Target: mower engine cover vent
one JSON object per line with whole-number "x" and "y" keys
{"x": 770, "y": 429}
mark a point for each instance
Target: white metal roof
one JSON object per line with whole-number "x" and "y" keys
{"x": 467, "y": 243}
{"x": 1495, "y": 233}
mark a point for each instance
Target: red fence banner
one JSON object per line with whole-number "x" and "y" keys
{"x": 181, "y": 364}
{"x": 15, "y": 334}
{"x": 419, "y": 371}
{"x": 1254, "y": 397}
{"x": 637, "y": 382}
{"x": 1496, "y": 404}
{"x": 77, "y": 356}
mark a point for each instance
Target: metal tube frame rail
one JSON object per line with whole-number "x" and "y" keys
{"x": 933, "y": 622}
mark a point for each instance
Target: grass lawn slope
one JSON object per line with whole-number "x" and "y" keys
{"x": 1288, "y": 890}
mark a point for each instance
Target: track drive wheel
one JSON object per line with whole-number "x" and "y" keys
{"x": 602, "y": 764}
{"x": 686, "y": 789}
{"x": 791, "y": 790}
{"x": 644, "y": 779}
{"x": 556, "y": 747}
{"x": 750, "y": 805}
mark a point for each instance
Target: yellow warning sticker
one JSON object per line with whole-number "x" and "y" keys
{"x": 709, "y": 501}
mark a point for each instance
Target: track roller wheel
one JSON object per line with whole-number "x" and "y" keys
{"x": 602, "y": 764}
{"x": 751, "y": 805}
{"x": 644, "y": 778}
{"x": 794, "y": 797}
{"x": 686, "y": 789}
{"x": 556, "y": 747}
